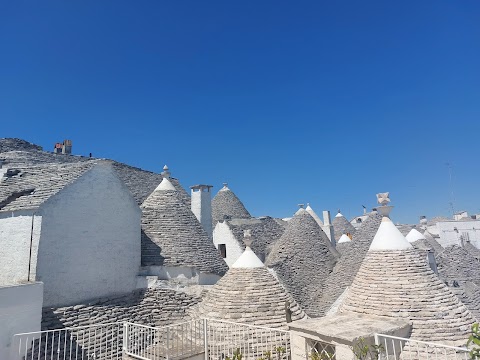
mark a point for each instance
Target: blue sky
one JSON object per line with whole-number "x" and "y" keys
{"x": 289, "y": 102}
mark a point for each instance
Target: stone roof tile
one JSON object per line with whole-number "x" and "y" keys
{"x": 226, "y": 205}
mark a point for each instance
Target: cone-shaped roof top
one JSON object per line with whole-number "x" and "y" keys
{"x": 414, "y": 235}
{"x": 172, "y": 235}
{"x": 314, "y": 215}
{"x": 388, "y": 237}
{"x": 341, "y": 226}
{"x": 248, "y": 294}
{"x": 352, "y": 254}
{"x": 344, "y": 238}
{"x": 394, "y": 280}
{"x": 302, "y": 258}
{"x": 227, "y": 205}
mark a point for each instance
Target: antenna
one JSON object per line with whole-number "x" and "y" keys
{"x": 452, "y": 195}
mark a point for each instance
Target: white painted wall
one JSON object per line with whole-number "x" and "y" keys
{"x": 15, "y": 236}
{"x": 201, "y": 205}
{"x": 448, "y": 235}
{"x": 223, "y": 235}
{"x": 20, "y": 312}
{"x": 90, "y": 240}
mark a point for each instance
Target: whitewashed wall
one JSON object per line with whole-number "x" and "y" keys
{"x": 20, "y": 311}
{"x": 15, "y": 237}
{"x": 90, "y": 240}
{"x": 223, "y": 235}
{"x": 448, "y": 235}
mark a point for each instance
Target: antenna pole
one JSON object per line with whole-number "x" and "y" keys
{"x": 452, "y": 195}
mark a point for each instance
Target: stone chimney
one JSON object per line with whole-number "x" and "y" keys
{"x": 328, "y": 227}
{"x": 202, "y": 206}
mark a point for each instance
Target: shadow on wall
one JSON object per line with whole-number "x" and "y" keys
{"x": 151, "y": 252}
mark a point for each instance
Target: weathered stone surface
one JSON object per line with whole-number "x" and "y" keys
{"x": 399, "y": 283}
{"x": 226, "y": 205}
{"x": 172, "y": 235}
{"x": 12, "y": 144}
{"x": 302, "y": 259}
{"x": 342, "y": 226}
{"x": 351, "y": 256}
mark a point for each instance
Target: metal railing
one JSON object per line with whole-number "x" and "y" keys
{"x": 94, "y": 342}
{"x": 210, "y": 339}
{"x": 394, "y": 348}
{"x": 225, "y": 338}
{"x": 177, "y": 341}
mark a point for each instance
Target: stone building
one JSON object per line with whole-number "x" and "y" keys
{"x": 248, "y": 294}
{"x": 174, "y": 243}
{"x": 302, "y": 259}
{"x": 395, "y": 281}
{"x": 75, "y": 227}
{"x": 226, "y": 205}
{"x": 228, "y": 236}
{"x": 342, "y": 226}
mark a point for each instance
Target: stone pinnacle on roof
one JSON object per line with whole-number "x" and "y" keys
{"x": 166, "y": 172}
{"x": 343, "y": 239}
{"x": 414, "y": 235}
{"x": 226, "y": 205}
{"x": 248, "y": 259}
{"x": 165, "y": 185}
{"x": 300, "y": 208}
{"x": 313, "y": 214}
{"x": 302, "y": 258}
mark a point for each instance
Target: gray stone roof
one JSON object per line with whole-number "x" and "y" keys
{"x": 457, "y": 263}
{"x": 29, "y": 187}
{"x": 399, "y": 283}
{"x": 11, "y": 144}
{"x": 172, "y": 235}
{"x": 265, "y": 232}
{"x": 141, "y": 183}
{"x": 248, "y": 295}
{"x": 351, "y": 257}
{"x": 302, "y": 259}
{"x": 406, "y": 228}
{"x": 428, "y": 243}
{"x": 226, "y": 205}
{"x": 342, "y": 226}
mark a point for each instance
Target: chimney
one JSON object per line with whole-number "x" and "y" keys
{"x": 202, "y": 206}
{"x": 431, "y": 261}
{"x": 67, "y": 147}
{"x": 328, "y": 227}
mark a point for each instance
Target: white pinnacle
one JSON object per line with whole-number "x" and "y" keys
{"x": 414, "y": 235}
{"x": 165, "y": 185}
{"x": 248, "y": 260}
{"x": 388, "y": 237}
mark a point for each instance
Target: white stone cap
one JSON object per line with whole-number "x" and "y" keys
{"x": 313, "y": 214}
{"x": 344, "y": 238}
{"x": 339, "y": 214}
{"x": 165, "y": 185}
{"x": 248, "y": 260}
{"x": 414, "y": 235}
{"x": 388, "y": 237}
{"x": 225, "y": 187}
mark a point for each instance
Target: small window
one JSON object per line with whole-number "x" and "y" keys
{"x": 222, "y": 248}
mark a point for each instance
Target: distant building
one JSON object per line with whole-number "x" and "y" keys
{"x": 63, "y": 148}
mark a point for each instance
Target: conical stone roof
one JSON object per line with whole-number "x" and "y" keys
{"x": 352, "y": 255}
{"x": 248, "y": 294}
{"x": 341, "y": 226}
{"x": 343, "y": 239}
{"x": 394, "y": 280}
{"x": 414, "y": 235}
{"x": 227, "y": 205}
{"x": 172, "y": 235}
{"x": 302, "y": 259}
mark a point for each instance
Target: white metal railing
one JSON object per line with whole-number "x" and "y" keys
{"x": 211, "y": 339}
{"x": 94, "y": 342}
{"x": 177, "y": 341}
{"x": 394, "y": 348}
{"x": 226, "y": 338}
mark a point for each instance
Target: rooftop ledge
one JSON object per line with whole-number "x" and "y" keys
{"x": 346, "y": 328}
